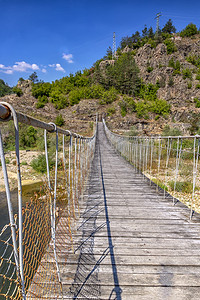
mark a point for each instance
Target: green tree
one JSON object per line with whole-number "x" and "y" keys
{"x": 169, "y": 28}
{"x": 124, "y": 75}
{"x": 33, "y": 77}
{"x": 151, "y": 33}
{"x": 145, "y": 31}
{"x": 17, "y": 91}
{"x": 108, "y": 53}
{"x": 59, "y": 121}
{"x": 5, "y": 89}
{"x": 190, "y": 30}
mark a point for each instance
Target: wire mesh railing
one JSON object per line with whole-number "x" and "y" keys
{"x": 171, "y": 164}
{"x": 32, "y": 243}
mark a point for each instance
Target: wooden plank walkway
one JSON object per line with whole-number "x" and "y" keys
{"x": 156, "y": 252}
{"x": 131, "y": 243}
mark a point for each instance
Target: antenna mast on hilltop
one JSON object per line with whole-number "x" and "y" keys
{"x": 114, "y": 46}
{"x": 158, "y": 15}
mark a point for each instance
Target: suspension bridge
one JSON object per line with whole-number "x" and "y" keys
{"x": 118, "y": 220}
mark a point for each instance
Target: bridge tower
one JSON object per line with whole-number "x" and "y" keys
{"x": 114, "y": 46}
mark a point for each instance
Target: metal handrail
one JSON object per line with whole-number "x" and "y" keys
{"x": 151, "y": 136}
{"x": 6, "y": 115}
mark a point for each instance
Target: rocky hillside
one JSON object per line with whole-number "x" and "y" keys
{"x": 176, "y": 74}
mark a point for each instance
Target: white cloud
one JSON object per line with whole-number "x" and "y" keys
{"x": 6, "y": 70}
{"x": 44, "y": 70}
{"x": 68, "y": 58}
{"x": 57, "y": 67}
{"x": 21, "y": 66}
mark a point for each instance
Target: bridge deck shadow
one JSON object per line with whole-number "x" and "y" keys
{"x": 148, "y": 248}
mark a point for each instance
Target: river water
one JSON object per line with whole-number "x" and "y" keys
{"x": 27, "y": 192}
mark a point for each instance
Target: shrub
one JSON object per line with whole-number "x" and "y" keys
{"x": 97, "y": 91}
{"x": 133, "y": 131}
{"x": 142, "y": 109}
{"x": 181, "y": 186}
{"x": 149, "y": 69}
{"x": 111, "y": 111}
{"x": 109, "y": 96}
{"x": 175, "y": 65}
{"x": 149, "y": 92}
{"x": 41, "y": 89}
{"x": 187, "y": 74}
{"x": 193, "y": 59}
{"x": 160, "y": 107}
{"x": 17, "y": 91}
{"x": 152, "y": 43}
{"x": 197, "y": 102}
{"x": 198, "y": 77}
{"x": 39, "y": 163}
{"x": 198, "y": 86}
{"x": 129, "y": 102}
{"x": 27, "y": 136}
{"x": 59, "y": 121}
{"x": 4, "y": 88}
{"x": 58, "y": 99}
{"x": 42, "y": 100}
{"x": 160, "y": 184}
{"x": 189, "y": 30}
{"x": 171, "y": 81}
{"x": 189, "y": 85}
{"x": 171, "y": 48}
{"x": 168, "y": 131}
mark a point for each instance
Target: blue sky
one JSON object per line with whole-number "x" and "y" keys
{"x": 56, "y": 38}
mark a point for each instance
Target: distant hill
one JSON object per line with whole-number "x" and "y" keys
{"x": 153, "y": 80}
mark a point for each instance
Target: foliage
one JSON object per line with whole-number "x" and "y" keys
{"x": 27, "y": 136}
{"x": 17, "y": 91}
{"x": 169, "y": 28}
{"x": 148, "y": 92}
{"x": 4, "y": 89}
{"x": 42, "y": 100}
{"x": 160, "y": 107}
{"x": 41, "y": 89}
{"x": 171, "y": 48}
{"x": 39, "y": 163}
{"x": 171, "y": 81}
{"x": 198, "y": 86}
{"x": 127, "y": 104}
{"x": 59, "y": 121}
{"x": 109, "y": 96}
{"x": 33, "y": 77}
{"x": 187, "y": 73}
{"x": 169, "y": 131}
{"x": 181, "y": 186}
{"x": 123, "y": 75}
{"x": 58, "y": 99}
{"x": 197, "y": 102}
{"x": 111, "y": 111}
{"x": 189, "y": 84}
{"x": 175, "y": 65}
{"x": 149, "y": 69}
{"x": 160, "y": 184}
{"x": 189, "y": 30}
{"x": 142, "y": 109}
{"x": 194, "y": 59}
{"x": 133, "y": 131}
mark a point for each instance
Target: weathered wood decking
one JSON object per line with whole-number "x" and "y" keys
{"x": 154, "y": 250}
